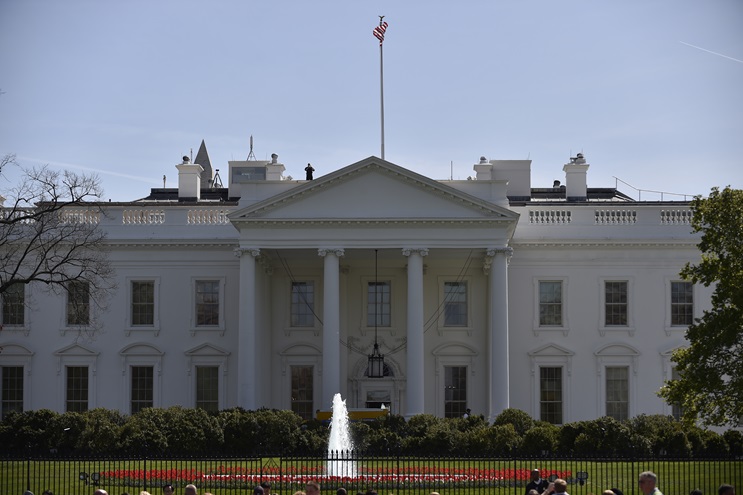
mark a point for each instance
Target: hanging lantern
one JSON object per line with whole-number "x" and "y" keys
{"x": 375, "y": 368}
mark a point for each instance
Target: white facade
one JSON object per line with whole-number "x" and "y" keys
{"x": 497, "y": 295}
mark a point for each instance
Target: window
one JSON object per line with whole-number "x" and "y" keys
{"x": 207, "y": 302}
{"x": 676, "y": 410}
{"x": 455, "y": 391}
{"x": 378, "y": 303}
{"x": 617, "y": 392}
{"x": 76, "y": 397}
{"x": 615, "y": 303}
{"x": 143, "y": 303}
{"x": 207, "y": 388}
{"x": 550, "y": 303}
{"x": 682, "y": 304}
{"x": 142, "y": 388}
{"x": 550, "y": 394}
{"x": 455, "y": 304}
{"x": 14, "y": 305}
{"x": 302, "y": 391}
{"x": 12, "y": 390}
{"x": 78, "y": 303}
{"x": 377, "y": 399}
{"x": 303, "y": 304}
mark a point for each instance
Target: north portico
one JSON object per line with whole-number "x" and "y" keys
{"x": 327, "y": 230}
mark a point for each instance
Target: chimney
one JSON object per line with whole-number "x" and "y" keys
{"x": 189, "y": 180}
{"x": 576, "y": 171}
{"x": 275, "y": 170}
{"x": 484, "y": 169}
{"x": 518, "y": 175}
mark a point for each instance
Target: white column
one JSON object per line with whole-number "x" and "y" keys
{"x": 247, "y": 377}
{"x": 331, "y": 331}
{"x": 415, "y": 389}
{"x": 497, "y": 262}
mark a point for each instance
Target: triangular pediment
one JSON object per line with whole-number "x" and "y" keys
{"x": 551, "y": 350}
{"x": 207, "y": 350}
{"x": 76, "y": 350}
{"x": 369, "y": 190}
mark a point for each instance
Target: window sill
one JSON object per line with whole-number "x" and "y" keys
{"x": 630, "y": 330}
{"x": 25, "y": 329}
{"x": 210, "y": 328}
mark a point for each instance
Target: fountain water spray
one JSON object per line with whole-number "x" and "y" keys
{"x": 340, "y": 446}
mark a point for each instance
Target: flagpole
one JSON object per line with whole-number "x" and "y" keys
{"x": 379, "y": 34}
{"x": 381, "y": 88}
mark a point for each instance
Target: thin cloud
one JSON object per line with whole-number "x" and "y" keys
{"x": 710, "y": 51}
{"x": 139, "y": 178}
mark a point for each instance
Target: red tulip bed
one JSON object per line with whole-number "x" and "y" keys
{"x": 292, "y": 478}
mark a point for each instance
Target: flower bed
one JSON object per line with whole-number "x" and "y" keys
{"x": 291, "y": 477}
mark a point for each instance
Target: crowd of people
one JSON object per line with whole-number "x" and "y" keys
{"x": 648, "y": 483}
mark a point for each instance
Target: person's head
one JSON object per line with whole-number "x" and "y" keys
{"x": 168, "y": 490}
{"x": 266, "y": 487}
{"x": 561, "y": 486}
{"x": 695, "y": 491}
{"x": 617, "y": 491}
{"x": 144, "y": 492}
{"x": 190, "y": 490}
{"x": 607, "y": 492}
{"x": 258, "y": 490}
{"x": 312, "y": 488}
{"x": 532, "y": 492}
{"x": 726, "y": 489}
{"x": 534, "y": 474}
{"x": 647, "y": 481}
{"x": 47, "y": 492}
{"x": 99, "y": 491}
{"x": 341, "y": 491}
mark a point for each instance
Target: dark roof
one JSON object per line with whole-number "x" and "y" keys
{"x": 171, "y": 194}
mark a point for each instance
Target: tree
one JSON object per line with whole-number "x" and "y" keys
{"x": 710, "y": 387}
{"x": 50, "y": 237}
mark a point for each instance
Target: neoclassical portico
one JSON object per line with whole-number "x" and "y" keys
{"x": 420, "y": 219}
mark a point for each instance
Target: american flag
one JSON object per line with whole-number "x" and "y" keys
{"x": 379, "y": 31}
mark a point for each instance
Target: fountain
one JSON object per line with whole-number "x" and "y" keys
{"x": 340, "y": 446}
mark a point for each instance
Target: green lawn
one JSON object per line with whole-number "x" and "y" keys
{"x": 406, "y": 476}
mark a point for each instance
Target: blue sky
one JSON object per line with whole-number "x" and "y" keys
{"x": 651, "y": 91}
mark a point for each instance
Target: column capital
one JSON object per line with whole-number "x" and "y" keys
{"x": 409, "y": 251}
{"x": 491, "y": 253}
{"x": 507, "y": 250}
{"x": 240, "y": 251}
{"x": 336, "y": 251}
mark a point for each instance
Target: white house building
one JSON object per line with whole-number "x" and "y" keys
{"x": 482, "y": 294}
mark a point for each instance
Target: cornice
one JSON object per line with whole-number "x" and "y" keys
{"x": 149, "y": 243}
{"x": 368, "y": 222}
{"x": 603, "y": 243}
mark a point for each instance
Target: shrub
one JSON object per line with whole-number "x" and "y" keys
{"x": 504, "y": 440}
{"x": 102, "y": 431}
{"x": 734, "y": 439}
{"x": 520, "y": 420}
{"x": 540, "y": 440}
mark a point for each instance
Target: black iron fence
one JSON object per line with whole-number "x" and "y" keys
{"x": 386, "y": 475}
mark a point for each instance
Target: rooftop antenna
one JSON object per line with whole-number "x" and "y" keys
{"x": 251, "y": 154}
{"x": 217, "y": 179}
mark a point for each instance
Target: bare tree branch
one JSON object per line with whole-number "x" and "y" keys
{"x": 50, "y": 233}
